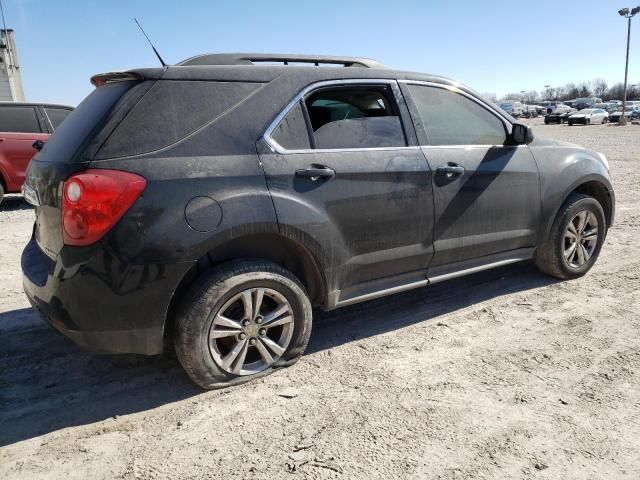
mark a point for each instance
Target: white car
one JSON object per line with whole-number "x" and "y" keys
{"x": 588, "y": 116}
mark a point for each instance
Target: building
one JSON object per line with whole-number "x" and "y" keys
{"x": 10, "y": 79}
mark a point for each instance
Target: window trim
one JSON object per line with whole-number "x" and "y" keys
{"x": 332, "y": 83}
{"x": 454, "y": 89}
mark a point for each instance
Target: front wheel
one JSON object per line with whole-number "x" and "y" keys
{"x": 242, "y": 321}
{"x": 1, "y": 192}
{"x": 587, "y": 122}
{"x": 575, "y": 239}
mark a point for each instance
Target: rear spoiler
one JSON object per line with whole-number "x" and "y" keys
{"x": 112, "y": 77}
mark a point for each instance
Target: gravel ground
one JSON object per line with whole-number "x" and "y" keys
{"x": 504, "y": 374}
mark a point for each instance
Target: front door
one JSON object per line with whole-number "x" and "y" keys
{"x": 347, "y": 178}
{"x": 486, "y": 191}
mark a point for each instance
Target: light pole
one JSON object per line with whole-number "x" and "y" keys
{"x": 626, "y": 13}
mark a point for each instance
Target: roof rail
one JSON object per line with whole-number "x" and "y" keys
{"x": 258, "y": 58}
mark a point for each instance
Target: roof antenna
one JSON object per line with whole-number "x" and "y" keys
{"x": 147, "y": 37}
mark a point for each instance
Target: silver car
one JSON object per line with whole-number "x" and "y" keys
{"x": 588, "y": 116}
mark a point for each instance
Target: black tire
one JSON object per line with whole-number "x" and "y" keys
{"x": 210, "y": 294}
{"x": 1, "y": 192}
{"x": 587, "y": 122}
{"x": 549, "y": 257}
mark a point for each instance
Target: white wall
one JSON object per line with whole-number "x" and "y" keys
{"x": 10, "y": 79}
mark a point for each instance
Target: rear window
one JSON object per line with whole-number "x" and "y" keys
{"x": 56, "y": 115}
{"x": 19, "y": 119}
{"x": 69, "y": 137}
{"x": 170, "y": 111}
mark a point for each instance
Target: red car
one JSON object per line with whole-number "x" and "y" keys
{"x": 21, "y": 124}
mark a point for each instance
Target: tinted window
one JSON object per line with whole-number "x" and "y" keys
{"x": 291, "y": 133}
{"x": 170, "y": 111}
{"x": 449, "y": 118}
{"x": 57, "y": 115}
{"x": 19, "y": 120}
{"x": 355, "y": 117}
{"x": 67, "y": 139}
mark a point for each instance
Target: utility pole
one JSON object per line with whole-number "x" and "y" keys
{"x": 628, "y": 15}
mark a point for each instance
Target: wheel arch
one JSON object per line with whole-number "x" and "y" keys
{"x": 284, "y": 251}
{"x": 595, "y": 186}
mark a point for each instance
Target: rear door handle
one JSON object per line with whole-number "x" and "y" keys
{"x": 450, "y": 170}
{"x": 316, "y": 172}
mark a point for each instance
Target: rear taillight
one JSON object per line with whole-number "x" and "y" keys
{"x": 94, "y": 200}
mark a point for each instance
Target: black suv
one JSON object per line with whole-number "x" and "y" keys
{"x": 217, "y": 201}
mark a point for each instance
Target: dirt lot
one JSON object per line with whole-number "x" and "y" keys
{"x": 505, "y": 374}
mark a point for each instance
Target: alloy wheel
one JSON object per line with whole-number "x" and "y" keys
{"x": 251, "y": 331}
{"x": 580, "y": 239}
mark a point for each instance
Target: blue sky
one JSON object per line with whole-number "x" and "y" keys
{"x": 493, "y": 46}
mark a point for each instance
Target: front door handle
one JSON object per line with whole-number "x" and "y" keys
{"x": 450, "y": 170}
{"x": 316, "y": 172}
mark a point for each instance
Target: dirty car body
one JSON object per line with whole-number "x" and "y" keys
{"x": 248, "y": 161}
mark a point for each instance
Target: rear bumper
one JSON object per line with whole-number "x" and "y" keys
{"x": 99, "y": 302}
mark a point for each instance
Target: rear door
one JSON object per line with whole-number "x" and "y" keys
{"x": 20, "y": 126}
{"x": 345, "y": 174}
{"x": 486, "y": 192}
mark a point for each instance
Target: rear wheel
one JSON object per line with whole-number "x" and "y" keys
{"x": 243, "y": 321}
{"x": 1, "y": 192}
{"x": 575, "y": 239}
{"x": 587, "y": 121}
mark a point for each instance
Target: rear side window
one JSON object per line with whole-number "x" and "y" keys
{"x": 355, "y": 117}
{"x": 449, "y": 118}
{"x": 77, "y": 127}
{"x": 19, "y": 120}
{"x": 291, "y": 133}
{"x": 170, "y": 111}
{"x": 56, "y": 115}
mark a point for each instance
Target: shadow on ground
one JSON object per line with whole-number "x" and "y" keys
{"x": 47, "y": 384}
{"x": 11, "y": 203}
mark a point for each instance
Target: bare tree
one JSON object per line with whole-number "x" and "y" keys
{"x": 599, "y": 87}
{"x": 615, "y": 92}
{"x": 492, "y": 97}
{"x": 585, "y": 91}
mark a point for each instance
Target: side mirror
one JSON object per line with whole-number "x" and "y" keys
{"x": 521, "y": 134}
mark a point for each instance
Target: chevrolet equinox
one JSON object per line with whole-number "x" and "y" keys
{"x": 215, "y": 202}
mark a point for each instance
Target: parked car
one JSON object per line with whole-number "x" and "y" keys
{"x": 559, "y": 117}
{"x": 588, "y": 116}
{"x": 556, "y": 107}
{"x": 21, "y": 124}
{"x": 632, "y": 113}
{"x": 215, "y": 202}
{"x": 512, "y": 108}
{"x": 581, "y": 103}
{"x": 607, "y": 107}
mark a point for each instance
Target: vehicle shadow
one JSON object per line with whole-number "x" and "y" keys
{"x": 47, "y": 383}
{"x": 12, "y": 203}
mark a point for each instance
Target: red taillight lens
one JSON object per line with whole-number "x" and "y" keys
{"x": 94, "y": 200}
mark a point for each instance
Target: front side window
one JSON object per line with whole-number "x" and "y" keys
{"x": 449, "y": 118}
{"x": 19, "y": 120}
{"x": 354, "y": 117}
